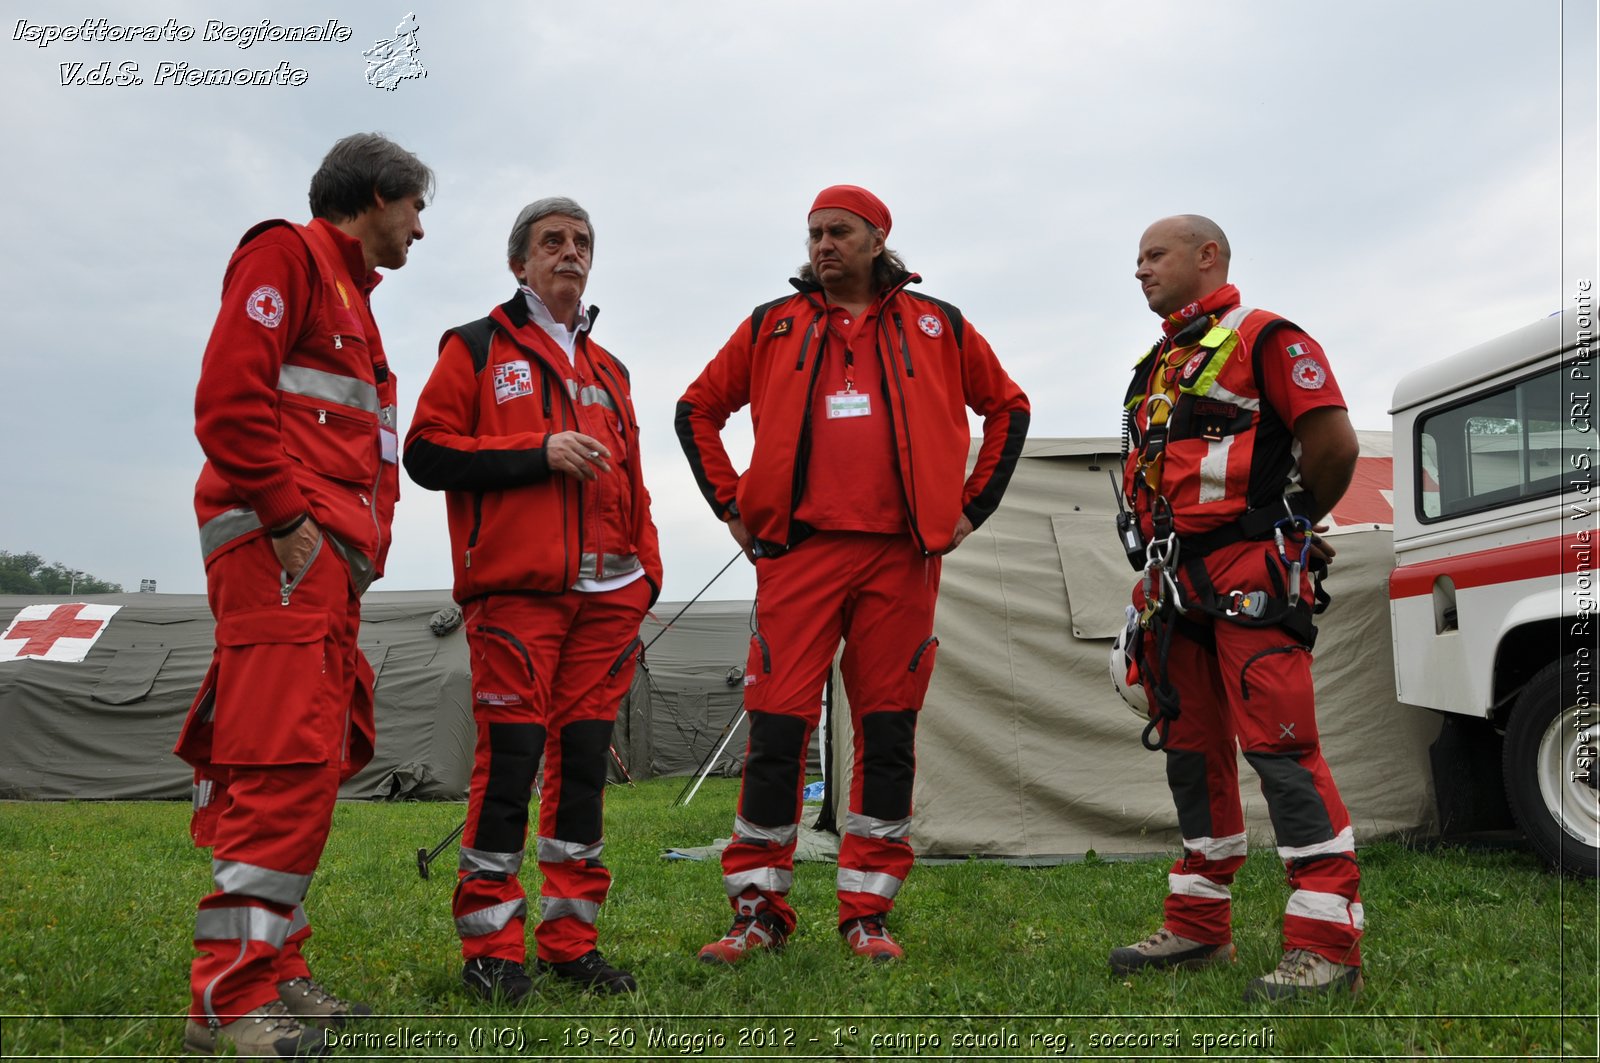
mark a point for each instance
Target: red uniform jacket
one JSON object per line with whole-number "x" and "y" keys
{"x": 935, "y": 365}
{"x": 479, "y": 434}
{"x": 295, "y": 409}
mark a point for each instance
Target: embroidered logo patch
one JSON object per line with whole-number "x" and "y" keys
{"x": 265, "y": 305}
{"x": 512, "y": 380}
{"x": 1297, "y": 350}
{"x": 1196, "y": 360}
{"x": 1308, "y": 374}
{"x": 782, "y": 327}
{"x": 488, "y": 697}
{"x": 931, "y": 325}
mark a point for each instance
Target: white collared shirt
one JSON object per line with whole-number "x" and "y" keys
{"x": 566, "y": 339}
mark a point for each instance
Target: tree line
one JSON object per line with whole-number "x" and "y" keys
{"x": 30, "y": 574}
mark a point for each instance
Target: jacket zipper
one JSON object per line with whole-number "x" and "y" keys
{"x": 905, "y": 348}
{"x": 477, "y": 524}
{"x": 908, "y": 481}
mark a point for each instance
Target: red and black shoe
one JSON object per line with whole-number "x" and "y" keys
{"x": 867, "y": 937}
{"x": 754, "y": 928}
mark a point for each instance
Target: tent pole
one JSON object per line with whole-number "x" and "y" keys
{"x": 705, "y": 768}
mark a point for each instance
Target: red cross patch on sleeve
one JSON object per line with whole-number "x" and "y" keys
{"x": 265, "y": 305}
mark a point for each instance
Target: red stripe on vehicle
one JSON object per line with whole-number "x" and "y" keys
{"x": 1504, "y": 564}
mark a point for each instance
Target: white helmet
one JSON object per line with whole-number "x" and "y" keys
{"x": 1123, "y": 662}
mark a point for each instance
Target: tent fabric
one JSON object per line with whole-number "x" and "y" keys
{"x": 1025, "y": 750}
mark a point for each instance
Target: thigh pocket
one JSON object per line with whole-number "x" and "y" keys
{"x": 920, "y": 672}
{"x": 274, "y": 702}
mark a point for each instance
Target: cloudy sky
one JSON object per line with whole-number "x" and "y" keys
{"x": 1402, "y": 179}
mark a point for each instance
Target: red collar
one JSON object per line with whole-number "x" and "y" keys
{"x": 349, "y": 249}
{"x": 1224, "y": 298}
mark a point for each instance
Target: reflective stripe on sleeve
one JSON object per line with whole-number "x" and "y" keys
{"x": 225, "y": 527}
{"x": 232, "y": 876}
{"x": 316, "y": 384}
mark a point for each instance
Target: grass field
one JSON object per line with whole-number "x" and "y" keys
{"x": 1469, "y": 954}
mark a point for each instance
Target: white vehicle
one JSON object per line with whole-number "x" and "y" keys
{"x": 1492, "y": 598}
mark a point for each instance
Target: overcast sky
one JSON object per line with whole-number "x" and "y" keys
{"x": 1403, "y": 180}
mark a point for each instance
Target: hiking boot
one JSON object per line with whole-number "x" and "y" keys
{"x": 1302, "y": 972}
{"x": 497, "y": 980}
{"x": 753, "y": 928}
{"x": 268, "y": 1032}
{"x": 867, "y": 937}
{"x": 1164, "y": 949}
{"x": 591, "y": 971}
{"x": 310, "y": 1003}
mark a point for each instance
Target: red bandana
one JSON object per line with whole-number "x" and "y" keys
{"x": 1221, "y": 299}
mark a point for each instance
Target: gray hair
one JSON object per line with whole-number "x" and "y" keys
{"x": 517, "y": 242}
{"x": 361, "y": 167}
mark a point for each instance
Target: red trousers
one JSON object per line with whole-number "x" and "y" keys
{"x": 1252, "y": 690}
{"x": 284, "y": 713}
{"x": 877, "y": 593}
{"x": 548, "y": 672}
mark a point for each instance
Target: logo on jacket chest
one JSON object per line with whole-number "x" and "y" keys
{"x": 512, "y": 380}
{"x": 931, "y": 325}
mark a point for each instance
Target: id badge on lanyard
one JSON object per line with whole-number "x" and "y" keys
{"x": 849, "y": 402}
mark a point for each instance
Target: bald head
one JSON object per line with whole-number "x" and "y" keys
{"x": 1181, "y": 259}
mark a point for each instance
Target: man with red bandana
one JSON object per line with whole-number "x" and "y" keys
{"x": 858, "y": 390}
{"x": 528, "y": 426}
{"x": 295, "y": 412}
{"x": 1239, "y": 443}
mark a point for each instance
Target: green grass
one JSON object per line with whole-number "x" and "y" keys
{"x": 1469, "y": 954}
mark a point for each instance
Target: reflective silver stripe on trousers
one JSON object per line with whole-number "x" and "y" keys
{"x": 1197, "y": 886}
{"x": 556, "y": 851}
{"x": 766, "y": 879}
{"x": 316, "y": 384}
{"x": 875, "y": 882}
{"x": 564, "y": 907}
{"x": 1219, "y": 848}
{"x": 744, "y": 830}
{"x": 488, "y": 920}
{"x": 298, "y": 921}
{"x": 231, "y": 876}
{"x": 240, "y": 924}
{"x": 867, "y": 827}
{"x": 483, "y": 860}
{"x": 225, "y": 527}
{"x": 1323, "y": 907}
{"x": 615, "y": 565}
{"x": 1343, "y": 842}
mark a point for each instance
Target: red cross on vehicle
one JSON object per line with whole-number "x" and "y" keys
{"x": 62, "y": 623}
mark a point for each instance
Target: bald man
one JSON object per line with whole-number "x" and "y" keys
{"x": 1240, "y": 444}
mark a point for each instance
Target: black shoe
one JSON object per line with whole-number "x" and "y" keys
{"x": 591, "y": 971}
{"x": 495, "y": 979}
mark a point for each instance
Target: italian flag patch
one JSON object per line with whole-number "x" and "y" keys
{"x": 1295, "y": 350}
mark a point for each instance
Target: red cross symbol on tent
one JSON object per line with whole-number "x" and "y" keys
{"x": 62, "y": 623}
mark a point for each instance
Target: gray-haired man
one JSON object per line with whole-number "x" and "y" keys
{"x": 528, "y": 426}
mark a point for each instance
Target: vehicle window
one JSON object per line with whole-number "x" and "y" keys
{"x": 1496, "y": 449}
